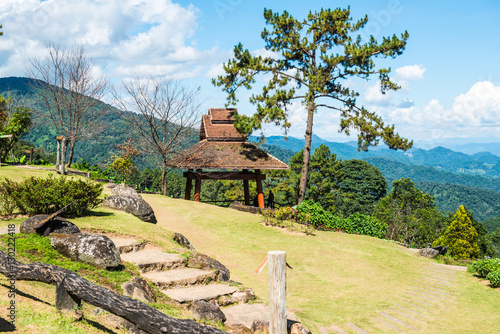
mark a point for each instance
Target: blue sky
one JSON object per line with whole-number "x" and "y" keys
{"x": 450, "y": 71}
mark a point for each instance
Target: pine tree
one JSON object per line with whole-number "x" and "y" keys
{"x": 460, "y": 237}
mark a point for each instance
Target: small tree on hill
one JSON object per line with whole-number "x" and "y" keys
{"x": 310, "y": 62}
{"x": 460, "y": 236}
{"x": 411, "y": 215}
{"x": 123, "y": 163}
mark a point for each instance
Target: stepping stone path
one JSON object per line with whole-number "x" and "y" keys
{"x": 422, "y": 302}
{"x": 169, "y": 272}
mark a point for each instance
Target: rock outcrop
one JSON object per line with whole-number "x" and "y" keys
{"x": 134, "y": 205}
{"x": 56, "y": 225}
{"x": 205, "y": 262}
{"x": 94, "y": 249}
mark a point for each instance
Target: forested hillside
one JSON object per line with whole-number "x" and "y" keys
{"x": 481, "y": 164}
{"x": 447, "y": 197}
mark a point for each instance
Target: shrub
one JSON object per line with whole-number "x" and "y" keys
{"x": 494, "y": 278}
{"x": 355, "y": 224}
{"x": 484, "y": 267}
{"x": 36, "y": 195}
{"x": 365, "y": 225}
{"x": 318, "y": 215}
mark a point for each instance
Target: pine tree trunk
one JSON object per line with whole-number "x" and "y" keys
{"x": 71, "y": 152}
{"x": 307, "y": 152}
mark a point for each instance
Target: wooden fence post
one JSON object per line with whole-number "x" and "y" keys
{"x": 58, "y": 154}
{"x": 277, "y": 292}
{"x": 63, "y": 149}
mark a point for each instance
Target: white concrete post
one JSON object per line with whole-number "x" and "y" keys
{"x": 277, "y": 292}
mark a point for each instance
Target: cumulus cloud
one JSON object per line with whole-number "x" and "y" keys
{"x": 124, "y": 36}
{"x": 410, "y": 72}
{"x": 476, "y": 111}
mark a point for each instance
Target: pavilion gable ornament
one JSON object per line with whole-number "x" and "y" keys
{"x": 222, "y": 150}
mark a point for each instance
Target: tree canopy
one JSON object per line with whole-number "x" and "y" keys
{"x": 310, "y": 62}
{"x": 410, "y": 214}
{"x": 460, "y": 236}
{"x": 14, "y": 121}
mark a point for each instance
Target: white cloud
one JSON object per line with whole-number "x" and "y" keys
{"x": 124, "y": 36}
{"x": 476, "y": 111}
{"x": 373, "y": 95}
{"x": 410, "y": 72}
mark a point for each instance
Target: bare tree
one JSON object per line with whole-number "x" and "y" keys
{"x": 70, "y": 88}
{"x": 163, "y": 113}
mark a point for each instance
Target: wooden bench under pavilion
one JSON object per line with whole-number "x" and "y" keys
{"x": 224, "y": 154}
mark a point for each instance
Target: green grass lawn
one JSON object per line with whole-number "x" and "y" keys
{"x": 336, "y": 277}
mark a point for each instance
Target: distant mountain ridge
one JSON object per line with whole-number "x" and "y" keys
{"x": 483, "y": 164}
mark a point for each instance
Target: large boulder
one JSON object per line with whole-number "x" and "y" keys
{"x": 56, "y": 225}
{"x": 204, "y": 262}
{"x": 124, "y": 190}
{"x": 202, "y": 310}
{"x": 95, "y": 249}
{"x": 133, "y": 205}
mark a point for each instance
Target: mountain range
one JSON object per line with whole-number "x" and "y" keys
{"x": 454, "y": 178}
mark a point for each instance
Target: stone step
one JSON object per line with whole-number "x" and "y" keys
{"x": 182, "y": 276}
{"x": 154, "y": 260}
{"x": 127, "y": 245}
{"x": 200, "y": 292}
{"x": 246, "y": 314}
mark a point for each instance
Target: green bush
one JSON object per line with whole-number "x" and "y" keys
{"x": 319, "y": 217}
{"x": 494, "y": 278}
{"x": 354, "y": 224}
{"x": 485, "y": 267}
{"x": 365, "y": 225}
{"x": 36, "y": 195}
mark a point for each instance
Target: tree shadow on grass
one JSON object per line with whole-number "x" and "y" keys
{"x": 6, "y": 326}
{"x": 97, "y": 325}
{"x": 98, "y": 214}
{"x": 26, "y": 295}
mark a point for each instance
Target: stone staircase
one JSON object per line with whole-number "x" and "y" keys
{"x": 169, "y": 272}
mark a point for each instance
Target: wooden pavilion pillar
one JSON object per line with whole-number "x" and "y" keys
{"x": 260, "y": 191}
{"x": 246, "y": 190}
{"x": 189, "y": 184}
{"x": 197, "y": 187}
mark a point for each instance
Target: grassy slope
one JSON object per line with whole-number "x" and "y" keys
{"x": 337, "y": 278}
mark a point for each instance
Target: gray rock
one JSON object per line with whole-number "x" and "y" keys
{"x": 203, "y": 310}
{"x": 225, "y": 300}
{"x": 428, "y": 252}
{"x": 240, "y": 296}
{"x": 238, "y": 329}
{"x": 133, "y": 205}
{"x": 183, "y": 241}
{"x": 298, "y": 328}
{"x": 250, "y": 294}
{"x": 260, "y": 327}
{"x": 124, "y": 190}
{"x": 95, "y": 249}
{"x": 56, "y": 225}
{"x": 139, "y": 289}
{"x": 205, "y": 262}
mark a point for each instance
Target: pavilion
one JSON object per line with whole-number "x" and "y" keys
{"x": 224, "y": 154}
